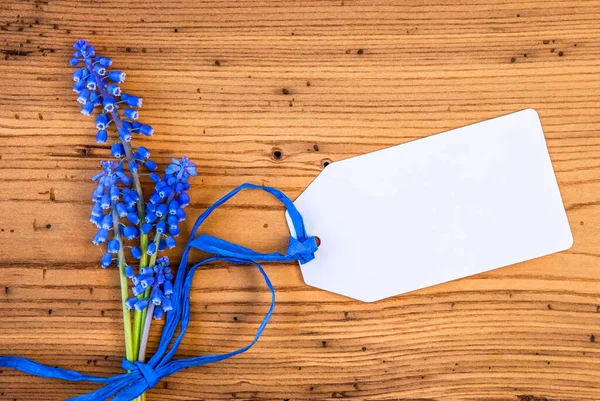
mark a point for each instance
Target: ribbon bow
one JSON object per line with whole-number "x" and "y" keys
{"x": 143, "y": 376}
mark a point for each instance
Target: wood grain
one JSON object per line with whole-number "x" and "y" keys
{"x": 228, "y": 83}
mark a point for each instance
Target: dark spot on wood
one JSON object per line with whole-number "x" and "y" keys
{"x": 6, "y": 290}
{"x": 524, "y": 54}
{"x": 165, "y": 384}
{"x": 91, "y": 290}
{"x": 40, "y": 116}
{"x": 307, "y": 83}
{"x": 597, "y": 308}
{"x": 49, "y": 311}
{"x": 324, "y": 344}
{"x": 217, "y": 63}
{"x": 292, "y": 33}
{"x": 48, "y": 226}
{"x": 285, "y": 91}
{"x": 128, "y": 49}
{"x": 52, "y": 195}
{"x": 527, "y": 397}
{"x": 235, "y": 318}
{"x": 142, "y": 20}
{"x": 277, "y": 154}
{"x": 89, "y": 361}
{"x": 552, "y": 50}
{"x": 68, "y": 31}
{"x": 574, "y": 44}
{"x": 28, "y": 41}
{"x": 143, "y": 50}
{"x": 325, "y": 163}
{"x": 37, "y": 21}
{"x": 348, "y": 51}
{"x": 355, "y": 385}
{"x": 513, "y": 59}
{"x": 106, "y": 357}
{"x": 311, "y": 388}
{"x": 518, "y": 15}
{"x": 20, "y": 29}
{"x": 291, "y": 104}
{"x": 85, "y": 152}
{"x": 12, "y": 230}
{"x": 553, "y": 40}
{"x": 17, "y": 116}
{"x": 55, "y": 26}
{"x": 265, "y": 225}
{"x": 360, "y": 51}
{"x": 549, "y": 307}
{"x": 560, "y": 54}
{"x": 43, "y": 274}
{"x": 592, "y": 338}
{"x": 316, "y": 147}
{"x": 175, "y": 30}
{"x": 364, "y": 348}
{"x": 548, "y": 362}
{"x": 299, "y": 367}
{"x": 546, "y": 41}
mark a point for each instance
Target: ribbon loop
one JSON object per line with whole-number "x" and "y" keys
{"x": 148, "y": 373}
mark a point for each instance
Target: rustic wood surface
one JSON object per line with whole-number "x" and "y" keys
{"x": 229, "y": 83}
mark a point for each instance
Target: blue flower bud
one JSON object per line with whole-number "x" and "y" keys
{"x": 106, "y": 260}
{"x": 131, "y": 232}
{"x": 121, "y": 209}
{"x": 183, "y": 199}
{"x": 114, "y": 193}
{"x": 174, "y": 231}
{"x": 130, "y": 113}
{"x": 96, "y": 99}
{"x": 155, "y": 177}
{"x": 129, "y": 201}
{"x": 173, "y": 221}
{"x": 160, "y": 278}
{"x": 150, "y": 207}
{"x": 162, "y": 245}
{"x": 170, "y": 242}
{"x": 83, "y": 96}
{"x": 146, "y": 271}
{"x": 158, "y": 313}
{"x": 117, "y": 150}
{"x": 179, "y": 187}
{"x": 172, "y": 168}
{"x": 100, "y": 236}
{"x": 156, "y": 296}
{"x": 181, "y": 214}
{"x": 168, "y": 288}
{"x": 74, "y": 62}
{"x": 96, "y": 209}
{"x": 102, "y": 121}
{"x": 137, "y": 290}
{"x": 104, "y": 61}
{"x": 109, "y": 104}
{"x": 79, "y": 86}
{"x": 116, "y": 76}
{"x": 150, "y": 165}
{"x": 133, "y": 218}
{"x": 97, "y": 220}
{"x": 147, "y": 281}
{"x": 161, "y": 210}
{"x": 131, "y": 100}
{"x": 161, "y": 227}
{"x": 78, "y": 75}
{"x": 114, "y": 90}
{"x": 90, "y": 83}
{"x": 146, "y": 228}
{"x": 141, "y": 305}
{"x": 144, "y": 152}
{"x": 167, "y": 305}
{"x": 129, "y": 271}
{"x": 106, "y": 222}
{"x": 99, "y": 69}
{"x": 125, "y": 134}
{"x": 87, "y": 108}
{"x": 136, "y": 253}
{"x": 105, "y": 201}
{"x": 155, "y": 198}
{"x": 122, "y": 176}
{"x": 146, "y": 130}
{"x": 173, "y": 206}
{"x": 151, "y": 250}
{"x": 101, "y": 136}
{"x": 168, "y": 276}
{"x": 133, "y": 167}
{"x": 130, "y": 303}
{"x": 113, "y": 246}
{"x": 165, "y": 192}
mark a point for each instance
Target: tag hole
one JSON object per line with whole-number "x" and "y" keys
{"x": 325, "y": 162}
{"x": 318, "y": 240}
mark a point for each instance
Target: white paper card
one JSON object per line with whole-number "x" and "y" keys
{"x": 436, "y": 209}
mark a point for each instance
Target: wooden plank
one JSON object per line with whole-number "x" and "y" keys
{"x": 228, "y": 83}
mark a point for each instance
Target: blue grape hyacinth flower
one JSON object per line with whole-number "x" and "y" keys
{"x": 159, "y": 279}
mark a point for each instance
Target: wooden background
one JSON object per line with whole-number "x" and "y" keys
{"x": 228, "y": 83}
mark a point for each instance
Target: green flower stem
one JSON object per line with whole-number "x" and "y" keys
{"x": 129, "y": 354}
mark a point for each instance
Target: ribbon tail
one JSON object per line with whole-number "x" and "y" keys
{"x": 131, "y": 392}
{"x": 103, "y": 393}
{"x": 38, "y": 369}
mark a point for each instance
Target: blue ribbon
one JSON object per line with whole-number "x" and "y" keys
{"x": 143, "y": 376}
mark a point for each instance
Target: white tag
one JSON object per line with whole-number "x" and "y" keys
{"x": 436, "y": 209}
